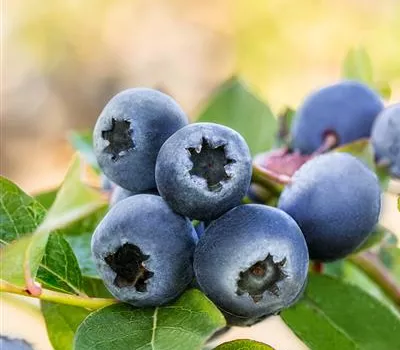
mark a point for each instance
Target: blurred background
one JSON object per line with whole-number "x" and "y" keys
{"x": 62, "y": 60}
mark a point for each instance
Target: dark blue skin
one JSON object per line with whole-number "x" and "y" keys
{"x": 228, "y": 255}
{"x": 129, "y": 133}
{"x": 203, "y": 170}
{"x": 347, "y": 109}
{"x": 386, "y": 138}
{"x": 119, "y": 194}
{"x": 143, "y": 251}
{"x": 335, "y": 199}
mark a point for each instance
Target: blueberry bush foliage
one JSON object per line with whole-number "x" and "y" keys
{"x": 353, "y": 303}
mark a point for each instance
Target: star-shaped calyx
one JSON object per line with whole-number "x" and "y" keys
{"x": 209, "y": 163}
{"x": 127, "y": 263}
{"x": 119, "y": 138}
{"x": 261, "y": 277}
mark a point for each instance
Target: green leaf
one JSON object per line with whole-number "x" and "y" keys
{"x": 20, "y": 214}
{"x": 357, "y": 65}
{"x": 352, "y": 274}
{"x": 384, "y": 89}
{"x": 79, "y": 236}
{"x": 360, "y": 149}
{"x": 62, "y": 322}
{"x": 243, "y": 344}
{"x": 184, "y": 325}
{"x": 335, "y": 315}
{"x": 81, "y": 247}
{"x": 390, "y": 256}
{"x": 384, "y": 177}
{"x": 94, "y": 287}
{"x": 46, "y": 198}
{"x": 59, "y": 269}
{"x": 83, "y": 143}
{"x": 235, "y": 106}
{"x": 74, "y": 201}
{"x": 20, "y": 260}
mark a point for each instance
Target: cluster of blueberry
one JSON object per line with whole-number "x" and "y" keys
{"x": 251, "y": 260}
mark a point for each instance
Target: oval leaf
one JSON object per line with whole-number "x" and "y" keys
{"x": 334, "y": 315}
{"x": 183, "y": 325}
{"x": 62, "y": 322}
{"x": 243, "y": 344}
{"x": 235, "y": 106}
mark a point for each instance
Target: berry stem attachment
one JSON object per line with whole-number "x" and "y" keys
{"x": 370, "y": 264}
{"x": 330, "y": 141}
{"x": 57, "y": 297}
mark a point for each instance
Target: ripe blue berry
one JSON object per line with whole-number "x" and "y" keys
{"x": 335, "y": 199}
{"x": 386, "y": 138}
{"x": 346, "y": 110}
{"x": 143, "y": 251}
{"x": 203, "y": 170}
{"x": 252, "y": 261}
{"x": 129, "y": 133}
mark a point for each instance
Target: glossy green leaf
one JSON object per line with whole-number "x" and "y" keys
{"x": 335, "y": 315}
{"x": 62, "y": 322}
{"x": 357, "y": 65}
{"x": 243, "y": 344}
{"x": 235, "y": 106}
{"x": 347, "y": 272}
{"x": 184, "y": 325}
{"x": 59, "y": 269}
{"x": 21, "y": 259}
{"x": 20, "y": 214}
{"x": 83, "y": 143}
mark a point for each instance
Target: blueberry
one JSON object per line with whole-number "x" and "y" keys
{"x": 143, "y": 251}
{"x": 203, "y": 170}
{"x": 252, "y": 261}
{"x": 346, "y": 110}
{"x": 14, "y": 344}
{"x": 119, "y": 194}
{"x": 129, "y": 133}
{"x": 386, "y": 138}
{"x": 335, "y": 199}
